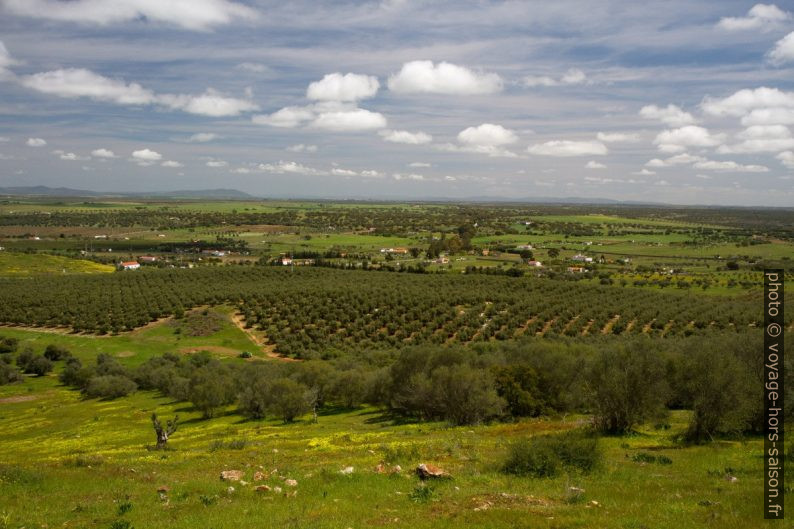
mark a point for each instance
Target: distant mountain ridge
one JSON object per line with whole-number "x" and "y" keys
{"x": 69, "y": 192}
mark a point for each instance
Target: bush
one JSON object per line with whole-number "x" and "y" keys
{"x": 55, "y": 352}
{"x": 628, "y": 388}
{"x": 288, "y": 399}
{"x": 547, "y": 455}
{"x": 110, "y": 387}
{"x": 33, "y": 364}
{"x": 8, "y": 374}
{"x": 74, "y": 374}
{"x": 8, "y": 345}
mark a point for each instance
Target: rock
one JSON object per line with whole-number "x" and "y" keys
{"x": 396, "y": 469}
{"x": 243, "y": 483}
{"x": 380, "y": 468}
{"x": 231, "y": 475}
{"x": 731, "y": 479}
{"x": 230, "y": 490}
{"x": 290, "y": 483}
{"x": 595, "y": 503}
{"x": 277, "y": 490}
{"x": 262, "y": 488}
{"x": 347, "y": 471}
{"x": 164, "y": 489}
{"x": 575, "y": 490}
{"x": 426, "y": 471}
{"x": 259, "y": 476}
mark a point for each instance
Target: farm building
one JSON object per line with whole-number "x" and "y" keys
{"x": 575, "y": 269}
{"x": 536, "y": 264}
{"x": 147, "y": 258}
{"x": 130, "y": 265}
{"x": 582, "y": 258}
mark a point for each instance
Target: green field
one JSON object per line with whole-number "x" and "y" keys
{"x": 20, "y": 264}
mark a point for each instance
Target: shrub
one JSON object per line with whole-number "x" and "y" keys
{"x": 288, "y": 399}
{"x": 8, "y": 374}
{"x": 74, "y": 374}
{"x": 37, "y": 365}
{"x": 8, "y": 345}
{"x": 627, "y": 387}
{"x": 55, "y": 352}
{"x": 110, "y": 387}
{"x": 547, "y": 455}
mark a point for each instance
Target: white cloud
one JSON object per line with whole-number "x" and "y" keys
{"x": 283, "y": 167}
{"x": 404, "y": 136}
{"x": 618, "y": 137}
{"x": 644, "y": 172}
{"x": 762, "y": 138}
{"x": 443, "y": 78}
{"x": 487, "y": 134}
{"x": 217, "y": 163}
{"x": 592, "y": 164}
{"x": 671, "y": 115}
{"x": 300, "y": 147}
{"x": 35, "y": 142}
{"x": 103, "y": 153}
{"x": 573, "y": 76}
{"x": 677, "y": 140}
{"x": 146, "y": 157}
{"x": 4, "y": 139}
{"x": 69, "y": 156}
{"x": 210, "y": 103}
{"x": 678, "y": 159}
{"x": 287, "y": 117}
{"x": 744, "y": 101}
{"x": 349, "y": 120}
{"x": 337, "y": 171}
{"x": 761, "y": 16}
{"x": 412, "y": 176}
{"x": 347, "y": 87}
{"x": 769, "y": 116}
{"x": 783, "y": 51}
{"x": 729, "y": 167}
{"x": 371, "y": 173}
{"x": 419, "y": 164}
{"x": 172, "y": 164}
{"x": 5, "y": 60}
{"x": 78, "y": 82}
{"x": 187, "y": 14}
{"x": 202, "y": 137}
{"x": 565, "y": 148}
{"x": 786, "y": 158}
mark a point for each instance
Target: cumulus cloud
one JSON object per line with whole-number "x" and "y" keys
{"x": 254, "y": 67}
{"x": 671, "y": 115}
{"x": 404, "y": 136}
{"x": 202, "y": 137}
{"x": 744, "y": 101}
{"x": 443, "y": 78}
{"x": 762, "y": 138}
{"x": 678, "y": 159}
{"x": 146, "y": 157}
{"x": 761, "y": 16}
{"x": 347, "y": 87}
{"x": 419, "y": 164}
{"x": 187, "y": 14}
{"x": 172, "y": 164}
{"x": 573, "y": 76}
{"x": 78, "y": 82}
{"x": 487, "y": 134}
{"x": 217, "y": 163}
{"x": 6, "y": 60}
{"x": 287, "y": 117}
{"x": 300, "y": 147}
{"x": 35, "y": 142}
{"x": 103, "y": 153}
{"x": 786, "y": 158}
{"x": 567, "y": 148}
{"x": 618, "y": 137}
{"x": 592, "y": 164}
{"x": 729, "y": 167}
{"x": 338, "y": 171}
{"x": 283, "y": 167}
{"x": 69, "y": 156}
{"x": 783, "y": 51}
{"x": 331, "y": 116}
{"x": 349, "y": 120}
{"x": 371, "y": 173}
{"x": 769, "y": 116}
{"x": 678, "y": 140}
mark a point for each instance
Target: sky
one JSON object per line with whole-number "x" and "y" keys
{"x": 674, "y": 101}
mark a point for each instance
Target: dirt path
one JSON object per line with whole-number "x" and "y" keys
{"x": 260, "y": 341}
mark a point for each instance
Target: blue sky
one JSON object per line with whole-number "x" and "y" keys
{"x": 675, "y": 101}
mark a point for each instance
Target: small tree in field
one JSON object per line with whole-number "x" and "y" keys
{"x": 163, "y": 433}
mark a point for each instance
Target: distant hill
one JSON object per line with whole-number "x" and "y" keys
{"x": 69, "y": 192}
